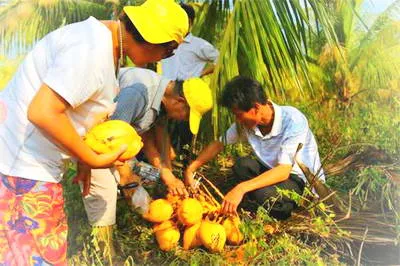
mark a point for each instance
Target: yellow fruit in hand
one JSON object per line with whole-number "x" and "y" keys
{"x": 212, "y": 235}
{"x": 167, "y": 235}
{"x": 190, "y": 211}
{"x": 190, "y": 237}
{"x": 111, "y": 135}
{"x": 233, "y": 234}
{"x": 160, "y": 210}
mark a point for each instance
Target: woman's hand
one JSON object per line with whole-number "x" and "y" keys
{"x": 105, "y": 160}
{"x": 83, "y": 175}
{"x": 63, "y": 132}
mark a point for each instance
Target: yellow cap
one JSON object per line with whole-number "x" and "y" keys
{"x": 199, "y": 97}
{"x": 159, "y": 21}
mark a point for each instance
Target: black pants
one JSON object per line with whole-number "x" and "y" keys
{"x": 247, "y": 168}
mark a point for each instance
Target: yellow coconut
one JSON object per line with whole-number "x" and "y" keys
{"x": 160, "y": 210}
{"x": 212, "y": 235}
{"x": 190, "y": 211}
{"x": 167, "y": 235}
{"x": 190, "y": 237}
{"x": 110, "y": 135}
{"x": 233, "y": 234}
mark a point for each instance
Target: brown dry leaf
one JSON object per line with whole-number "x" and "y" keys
{"x": 269, "y": 229}
{"x": 235, "y": 256}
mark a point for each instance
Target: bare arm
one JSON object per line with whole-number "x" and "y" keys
{"x": 207, "y": 154}
{"x": 126, "y": 177}
{"x": 163, "y": 143}
{"x": 207, "y": 70}
{"x": 56, "y": 124}
{"x": 150, "y": 148}
{"x": 175, "y": 185}
{"x": 273, "y": 176}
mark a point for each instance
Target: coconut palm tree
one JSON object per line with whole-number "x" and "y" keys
{"x": 266, "y": 40}
{"x": 367, "y": 57}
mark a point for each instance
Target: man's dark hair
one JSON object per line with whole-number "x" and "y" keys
{"x": 178, "y": 89}
{"x": 189, "y": 11}
{"x": 242, "y": 93}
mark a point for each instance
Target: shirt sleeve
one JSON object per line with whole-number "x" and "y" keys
{"x": 290, "y": 144}
{"x": 131, "y": 104}
{"x": 209, "y": 53}
{"x": 74, "y": 72}
{"x": 231, "y": 136}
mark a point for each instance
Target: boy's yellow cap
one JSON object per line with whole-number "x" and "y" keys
{"x": 199, "y": 97}
{"x": 159, "y": 21}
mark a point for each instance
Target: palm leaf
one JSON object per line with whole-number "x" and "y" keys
{"x": 268, "y": 40}
{"x": 25, "y": 22}
{"x": 384, "y": 21}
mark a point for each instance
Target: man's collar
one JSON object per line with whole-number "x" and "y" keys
{"x": 162, "y": 86}
{"x": 276, "y": 126}
{"x": 188, "y": 37}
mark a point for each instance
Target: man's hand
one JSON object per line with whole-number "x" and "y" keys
{"x": 128, "y": 192}
{"x": 189, "y": 177}
{"x": 175, "y": 185}
{"x": 232, "y": 200}
{"x": 84, "y": 176}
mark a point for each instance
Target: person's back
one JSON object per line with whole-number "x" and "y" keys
{"x": 141, "y": 93}
{"x": 191, "y": 57}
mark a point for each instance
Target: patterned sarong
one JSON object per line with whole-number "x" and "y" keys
{"x": 33, "y": 225}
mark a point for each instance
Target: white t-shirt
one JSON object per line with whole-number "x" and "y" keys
{"x": 290, "y": 128}
{"x": 76, "y": 61}
{"x": 190, "y": 59}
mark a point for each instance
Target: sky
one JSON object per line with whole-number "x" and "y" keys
{"x": 376, "y": 6}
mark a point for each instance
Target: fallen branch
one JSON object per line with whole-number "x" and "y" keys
{"x": 361, "y": 246}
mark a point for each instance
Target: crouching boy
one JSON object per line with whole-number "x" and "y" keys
{"x": 274, "y": 133}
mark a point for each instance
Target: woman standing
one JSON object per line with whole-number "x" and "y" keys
{"x": 65, "y": 85}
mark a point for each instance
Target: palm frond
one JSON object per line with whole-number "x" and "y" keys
{"x": 7, "y": 68}
{"x": 25, "y": 22}
{"x": 383, "y": 21}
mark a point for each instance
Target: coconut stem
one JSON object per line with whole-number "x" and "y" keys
{"x": 213, "y": 186}
{"x": 210, "y": 196}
